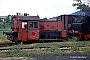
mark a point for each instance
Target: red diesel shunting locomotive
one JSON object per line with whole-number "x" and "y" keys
{"x": 31, "y": 28}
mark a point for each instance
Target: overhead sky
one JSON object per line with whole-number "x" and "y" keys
{"x": 43, "y": 8}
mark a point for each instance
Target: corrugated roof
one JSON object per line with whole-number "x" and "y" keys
{"x": 79, "y": 13}
{"x": 28, "y": 18}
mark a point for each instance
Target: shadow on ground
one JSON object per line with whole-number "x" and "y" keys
{"x": 72, "y": 56}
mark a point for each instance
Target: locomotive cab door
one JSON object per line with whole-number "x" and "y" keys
{"x": 24, "y": 31}
{"x": 33, "y": 30}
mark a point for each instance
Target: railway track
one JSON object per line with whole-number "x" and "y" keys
{"x": 3, "y": 47}
{"x": 32, "y": 48}
{"x": 42, "y": 48}
{"x": 6, "y": 44}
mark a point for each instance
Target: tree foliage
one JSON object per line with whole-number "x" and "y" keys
{"x": 8, "y": 19}
{"x": 82, "y": 4}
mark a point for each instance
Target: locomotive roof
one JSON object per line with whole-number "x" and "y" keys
{"x": 28, "y": 18}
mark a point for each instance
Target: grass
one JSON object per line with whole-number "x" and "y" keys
{"x": 2, "y": 37}
{"x": 86, "y": 51}
{"x": 55, "y": 44}
{"x": 35, "y": 52}
{"x": 4, "y": 25}
{"x": 53, "y": 51}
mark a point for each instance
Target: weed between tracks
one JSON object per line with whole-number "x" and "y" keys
{"x": 35, "y": 52}
{"x": 3, "y": 39}
{"x": 75, "y": 47}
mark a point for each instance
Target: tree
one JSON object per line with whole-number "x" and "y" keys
{"x": 8, "y": 19}
{"x": 44, "y": 18}
{"x": 83, "y": 5}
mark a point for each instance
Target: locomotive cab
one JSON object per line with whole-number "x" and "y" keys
{"x": 24, "y": 28}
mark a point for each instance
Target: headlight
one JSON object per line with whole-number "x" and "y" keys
{"x": 6, "y": 36}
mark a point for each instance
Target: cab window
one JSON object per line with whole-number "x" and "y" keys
{"x": 24, "y": 24}
{"x": 33, "y": 24}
